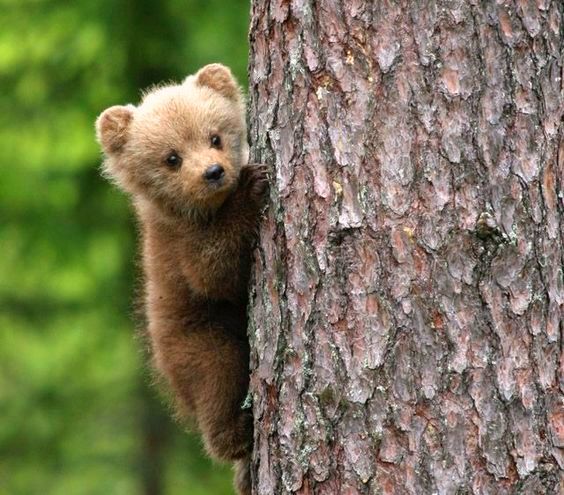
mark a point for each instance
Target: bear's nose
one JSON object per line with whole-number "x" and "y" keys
{"x": 214, "y": 172}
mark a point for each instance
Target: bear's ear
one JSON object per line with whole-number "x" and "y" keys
{"x": 219, "y": 78}
{"x": 112, "y": 127}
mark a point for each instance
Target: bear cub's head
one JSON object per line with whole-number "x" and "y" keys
{"x": 182, "y": 148}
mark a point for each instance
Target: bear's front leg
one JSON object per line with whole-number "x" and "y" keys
{"x": 253, "y": 183}
{"x": 243, "y": 208}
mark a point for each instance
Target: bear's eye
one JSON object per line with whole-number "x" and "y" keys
{"x": 215, "y": 141}
{"x": 174, "y": 160}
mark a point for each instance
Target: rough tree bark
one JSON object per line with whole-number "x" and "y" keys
{"x": 406, "y": 321}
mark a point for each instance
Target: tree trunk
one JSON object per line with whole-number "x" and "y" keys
{"x": 406, "y": 321}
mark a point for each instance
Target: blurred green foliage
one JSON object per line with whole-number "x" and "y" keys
{"x": 76, "y": 413}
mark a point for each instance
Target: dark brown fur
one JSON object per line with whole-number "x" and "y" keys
{"x": 196, "y": 246}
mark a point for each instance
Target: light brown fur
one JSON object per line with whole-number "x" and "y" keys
{"x": 197, "y": 241}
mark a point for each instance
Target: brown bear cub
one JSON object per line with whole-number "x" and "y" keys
{"x": 182, "y": 156}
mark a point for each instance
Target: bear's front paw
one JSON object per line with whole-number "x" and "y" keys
{"x": 254, "y": 181}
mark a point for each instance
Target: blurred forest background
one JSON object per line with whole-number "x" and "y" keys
{"x": 77, "y": 414}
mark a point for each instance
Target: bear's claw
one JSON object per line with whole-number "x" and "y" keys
{"x": 255, "y": 180}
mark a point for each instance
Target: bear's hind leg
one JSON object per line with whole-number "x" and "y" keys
{"x": 220, "y": 380}
{"x": 243, "y": 476}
